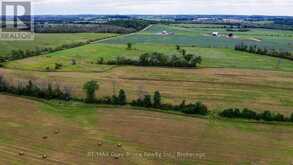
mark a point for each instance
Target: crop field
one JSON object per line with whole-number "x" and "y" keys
{"x": 87, "y": 56}
{"x": 25, "y": 123}
{"x": 50, "y": 40}
{"x": 201, "y": 36}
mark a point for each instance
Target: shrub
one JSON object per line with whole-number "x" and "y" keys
{"x": 197, "y": 108}
{"x": 58, "y": 66}
{"x": 129, "y": 46}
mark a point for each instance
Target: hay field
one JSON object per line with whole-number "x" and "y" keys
{"x": 219, "y": 88}
{"x": 81, "y": 127}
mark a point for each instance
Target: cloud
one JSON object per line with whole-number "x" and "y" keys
{"x": 245, "y": 7}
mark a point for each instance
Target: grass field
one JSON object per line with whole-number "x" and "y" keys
{"x": 51, "y": 40}
{"x": 199, "y": 36}
{"x": 24, "y": 123}
{"x": 86, "y": 57}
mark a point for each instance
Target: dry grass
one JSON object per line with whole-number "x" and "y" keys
{"x": 23, "y": 125}
{"x": 23, "y": 122}
{"x": 219, "y": 88}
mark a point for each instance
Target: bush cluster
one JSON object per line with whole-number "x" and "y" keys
{"x": 155, "y": 102}
{"x": 157, "y": 59}
{"x": 264, "y": 51}
{"x": 249, "y": 114}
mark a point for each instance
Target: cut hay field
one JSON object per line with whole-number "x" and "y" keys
{"x": 49, "y": 40}
{"x": 86, "y": 57}
{"x": 81, "y": 127}
{"x": 218, "y": 88}
{"x": 201, "y": 37}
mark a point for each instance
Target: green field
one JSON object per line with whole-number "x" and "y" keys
{"x": 86, "y": 57}
{"x": 81, "y": 127}
{"x": 198, "y": 36}
{"x": 51, "y": 40}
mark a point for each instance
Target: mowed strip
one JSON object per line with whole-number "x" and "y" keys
{"x": 218, "y": 88}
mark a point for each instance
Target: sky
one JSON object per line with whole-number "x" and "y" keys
{"x": 235, "y": 7}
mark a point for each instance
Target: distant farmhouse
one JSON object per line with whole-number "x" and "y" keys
{"x": 215, "y": 34}
{"x": 165, "y": 33}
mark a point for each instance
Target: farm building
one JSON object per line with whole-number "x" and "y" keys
{"x": 215, "y": 34}
{"x": 166, "y": 33}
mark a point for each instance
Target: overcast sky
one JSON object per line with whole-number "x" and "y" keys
{"x": 238, "y": 7}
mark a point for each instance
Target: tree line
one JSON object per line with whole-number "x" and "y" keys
{"x": 82, "y": 28}
{"x": 263, "y": 51}
{"x": 156, "y": 59}
{"x": 252, "y": 115}
{"x": 29, "y": 88}
{"x": 146, "y": 101}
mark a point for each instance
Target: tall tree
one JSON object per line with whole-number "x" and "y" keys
{"x": 122, "y": 97}
{"x": 90, "y": 88}
{"x": 157, "y": 99}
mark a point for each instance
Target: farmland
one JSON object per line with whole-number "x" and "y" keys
{"x": 226, "y": 78}
{"x": 201, "y": 37}
{"x": 219, "y": 88}
{"x": 51, "y": 40}
{"x": 86, "y": 57}
{"x": 24, "y": 122}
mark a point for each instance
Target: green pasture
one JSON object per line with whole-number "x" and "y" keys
{"x": 201, "y": 36}
{"x": 86, "y": 57}
{"x": 49, "y": 40}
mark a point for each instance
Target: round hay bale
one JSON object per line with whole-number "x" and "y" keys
{"x": 119, "y": 145}
{"x": 57, "y": 132}
{"x": 44, "y": 156}
{"x": 116, "y": 157}
{"x": 21, "y": 153}
{"x": 100, "y": 143}
{"x": 45, "y": 137}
